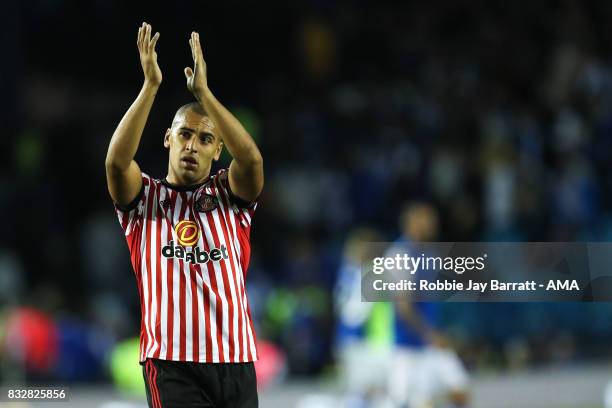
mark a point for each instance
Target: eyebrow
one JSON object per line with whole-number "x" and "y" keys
{"x": 193, "y": 131}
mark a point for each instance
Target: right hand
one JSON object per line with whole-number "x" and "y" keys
{"x": 148, "y": 56}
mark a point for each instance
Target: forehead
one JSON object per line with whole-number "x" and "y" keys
{"x": 194, "y": 120}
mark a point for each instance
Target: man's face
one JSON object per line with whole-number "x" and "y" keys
{"x": 421, "y": 223}
{"x": 193, "y": 143}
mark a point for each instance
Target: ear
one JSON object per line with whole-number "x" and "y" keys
{"x": 167, "y": 138}
{"x": 218, "y": 151}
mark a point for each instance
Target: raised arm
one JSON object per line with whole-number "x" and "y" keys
{"x": 246, "y": 176}
{"x": 122, "y": 172}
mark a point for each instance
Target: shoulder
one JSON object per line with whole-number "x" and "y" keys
{"x": 221, "y": 180}
{"x": 142, "y": 194}
{"x": 151, "y": 183}
{"x": 150, "y": 180}
{"x": 220, "y": 175}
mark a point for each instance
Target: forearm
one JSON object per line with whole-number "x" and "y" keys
{"x": 236, "y": 139}
{"x": 125, "y": 140}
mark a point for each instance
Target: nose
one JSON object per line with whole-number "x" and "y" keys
{"x": 190, "y": 146}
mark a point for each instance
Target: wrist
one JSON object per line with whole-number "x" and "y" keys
{"x": 204, "y": 94}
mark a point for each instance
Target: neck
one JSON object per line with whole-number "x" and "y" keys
{"x": 176, "y": 179}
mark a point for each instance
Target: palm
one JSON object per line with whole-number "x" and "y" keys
{"x": 151, "y": 68}
{"x": 148, "y": 55}
{"x": 196, "y": 77}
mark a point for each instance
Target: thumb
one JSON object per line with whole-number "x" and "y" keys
{"x": 188, "y": 72}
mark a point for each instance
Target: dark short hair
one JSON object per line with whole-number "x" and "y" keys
{"x": 191, "y": 106}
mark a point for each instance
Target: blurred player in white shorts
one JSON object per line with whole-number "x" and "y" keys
{"x": 425, "y": 370}
{"x": 427, "y": 377}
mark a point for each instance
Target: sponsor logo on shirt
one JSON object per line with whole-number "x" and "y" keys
{"x": 187, "y": 232}
{"x": 196, "y": 256}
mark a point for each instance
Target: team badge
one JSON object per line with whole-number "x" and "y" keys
{"x": 206, "y": 202}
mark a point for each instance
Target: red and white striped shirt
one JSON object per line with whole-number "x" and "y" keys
{"x": 190, "y": 249}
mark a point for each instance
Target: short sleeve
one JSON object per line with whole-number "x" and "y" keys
{"x": 222, "y": 176}
{"x": 243, "y": 209}
{"x": 130, "y": 216}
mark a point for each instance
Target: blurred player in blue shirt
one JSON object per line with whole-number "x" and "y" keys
{"x": 364, "y": 331}
{"x": 425, "y": 371}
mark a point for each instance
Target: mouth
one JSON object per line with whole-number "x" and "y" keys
{"x": 189, "y": 161}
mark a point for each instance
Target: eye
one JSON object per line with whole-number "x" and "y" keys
{"x": 184, "y": 133}
{"x": 206, "y": 139}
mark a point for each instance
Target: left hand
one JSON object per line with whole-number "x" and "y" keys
{"x": 197, "y": 82}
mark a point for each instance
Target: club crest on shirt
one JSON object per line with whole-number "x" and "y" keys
{"x": 165, "y": 204}
{"x": 206, "y": 202}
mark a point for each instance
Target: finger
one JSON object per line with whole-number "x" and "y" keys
{"x": 199, "y": 48}
{"x": 198, "y": 45}
{"x": 191, "y": 46}
{"x": 141, "y": 32}
{"x": 188, "y": 72}
{"x": 153, "y": 42}
{"x": 138, "y": 37}
{"x": 147, "y": 38}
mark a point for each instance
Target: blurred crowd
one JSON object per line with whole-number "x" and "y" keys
{"x": 499, "y": 114}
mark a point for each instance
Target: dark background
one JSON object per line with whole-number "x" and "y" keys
{"x": 498, "y": 113}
